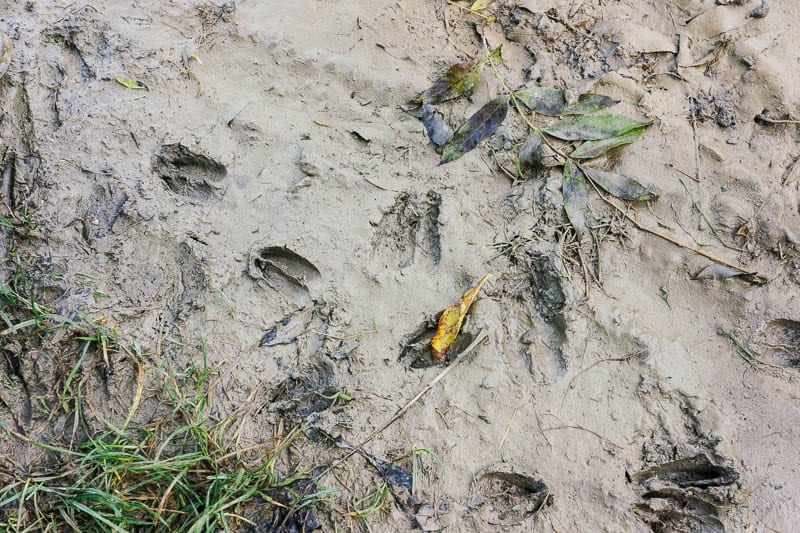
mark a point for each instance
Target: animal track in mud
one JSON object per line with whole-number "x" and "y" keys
{"x": 105, "y": 206}
{"x": 535, "y": 288}
{"x": 508, "y": 499}
{"x": 685, "y": 494}
{"x": 783, "y": 342}
{"x": 685, "y": 484}
{"x": 409, "y": 226}
{"x": 285, "y": 271}
{"x": 188, "y": 173}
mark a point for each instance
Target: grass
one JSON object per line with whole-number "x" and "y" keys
{"x": 183, "y": 471}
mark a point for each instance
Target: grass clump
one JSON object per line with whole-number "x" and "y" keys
{"x": 183, "y": 470}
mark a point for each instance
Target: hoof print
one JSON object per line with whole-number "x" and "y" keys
{"x": 285, "y": 271}
{"x": 410, "y": 228}
{"x": 188, "y": 173}
{"x": 688, "y": 494}
{"x": 508, "y": 499}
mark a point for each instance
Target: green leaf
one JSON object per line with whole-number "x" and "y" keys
{"x": 478, "y": 127}
{"x": 131, "y": 84}
{"x": 543, "y": 100}
{"x": 592, "y": 149}
{"x": 480, "y": 4}
{"x": 593, "y": 128}
{"x": 457, "y": 81}
{"x": 619, "y": 185}
{"x": 589, "y": 103}
{"x": 576, "y": 198}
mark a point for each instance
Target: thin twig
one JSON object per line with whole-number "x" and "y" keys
{"x": 403, "y": 410}
{"x": 760, "y": 277}
{"x": 581, "y": 428}
{"x": 508, "y": 429}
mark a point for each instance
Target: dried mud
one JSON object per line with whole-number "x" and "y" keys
{"x": 266, "y": 193}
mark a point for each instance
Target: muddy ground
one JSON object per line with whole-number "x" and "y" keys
{"x": 258, "y": 188}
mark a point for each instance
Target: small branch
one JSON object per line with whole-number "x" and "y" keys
{"x": 403, "y": 410}
{"x": 609, "y": 360}
{"x": 759, "y": 277}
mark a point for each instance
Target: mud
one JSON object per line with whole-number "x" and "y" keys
{"x": 265, "y": 199}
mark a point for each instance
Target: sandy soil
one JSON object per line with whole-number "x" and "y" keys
{"x": 621, "y": 405}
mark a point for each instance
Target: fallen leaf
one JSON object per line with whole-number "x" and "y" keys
{"x": 589, "y": 103}
{"x": 592, "y": 149}
{"x": 546, "y": 101}
{"x": 478, "y": 5}
{"x": 131, "y": 84}
{"x": 716, "y": 271}
{"x": 478, "y": 127}
{"x": 531, "y": 152}
{"x": 576, "y": 198}
{"x": 451, "y": 320}
{"x": 457, "y": 81}
{"x": 593, "y": 128}
{"x": 619, "y": 185}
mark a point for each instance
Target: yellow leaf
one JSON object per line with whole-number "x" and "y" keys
{"x": 451, "y": 320}
{"x": 131, "y": 84}
{"x": 480, "y": 4}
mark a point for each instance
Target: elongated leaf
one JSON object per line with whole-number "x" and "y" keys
{"x": 451, "y": 320}
{"x": 543, "y": 100}
{"x": 592, "y": 149}
{"x": 131, "y": 84}
{"x": 589, "y": 103}
{"x": 457, "y": 81}
{"x": 576, "y": 198}
{"x": 593, "y": 128}
{"x": 480, "y": 4}
{"x": 619, "y": 185}
{"x": 478, "y": 127}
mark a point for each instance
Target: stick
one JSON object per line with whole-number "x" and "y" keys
{"x": 358, "y": 449}
{"x": 761, "y": 278}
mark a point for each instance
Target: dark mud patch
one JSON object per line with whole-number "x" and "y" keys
{"x": 194, "y": 282}
{"x": 188, "y": 173}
